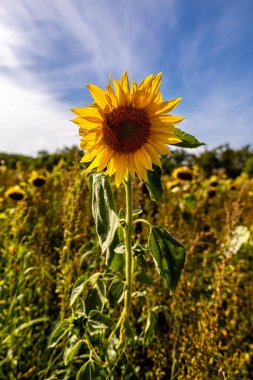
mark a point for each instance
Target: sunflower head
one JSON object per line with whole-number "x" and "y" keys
{"x": 127, "y": 127}
{"x": 183, "y": 173}
{"x": 173, "y": 184}
{"x": 37, "y": 180}
{"x": 211, "y": 192}
{"x": 16, "y": 193}
{"x": 214, "y": 181}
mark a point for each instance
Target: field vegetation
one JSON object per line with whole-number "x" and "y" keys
{"x": 48, "y": 240}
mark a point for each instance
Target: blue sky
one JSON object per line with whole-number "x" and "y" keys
{"x": 49, "y": 50}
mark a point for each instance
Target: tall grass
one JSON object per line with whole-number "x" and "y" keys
{"x": 48, "y": 239}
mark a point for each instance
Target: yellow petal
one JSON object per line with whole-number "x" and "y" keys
{"x": 86, "y": 123}
{"x": 98, "y": 95}
{"x": 153, "y": 154}
{"x": 161, "y": 147}
{"x": 105, "y": 156}
{"x": 156, "y": 82}
{"x": 146, "y": 83}
{"x": 120, "y": 94}
{"x": 89, "y": 155}
{"x": 137, "y": 164}
{"x": 112, "y": 96}
{"x": 121, "y": 169}
{"x": 88, "y": 113}
{"x": 163, "y": 127}
{"x": 124, "y": 82}
{"x": 170, "y": 119}
{"x": 146, "y": 160}
{"x": 162, "y": 108}
{"x": 130, "y": 165}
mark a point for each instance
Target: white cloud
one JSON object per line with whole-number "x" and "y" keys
{"x": 48, "y": 49}
{"x": 33, "y": 120}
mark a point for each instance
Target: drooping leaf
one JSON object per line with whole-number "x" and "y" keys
{"x": 104, "y": 210}
{"x": 188, "y": 141}
{"x": 150, "y": 328}
{"x": 154, "y": 184}
{"x": 91, "y": 371}
{"x": 114, "y": 260}
{"x": 96, "y": 297}
{"x": 127, "y": 330}
{"x": 115, "y": 293}
{"x": 79, "y": 286}
{"x": 168, "y": 254}
{"x": 59, "y": 332}
{"x": 71, "y": 349}
{"x": 99, "y": 321}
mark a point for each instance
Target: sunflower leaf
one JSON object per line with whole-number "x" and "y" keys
{"x": 103, "y": 210}
{"x": 188, "y": 141}
{"x": 59, "y": 332}
{"x": 154, "y": 184}
{"x": 150, "y": 328}
{"x": 168, "y": 254}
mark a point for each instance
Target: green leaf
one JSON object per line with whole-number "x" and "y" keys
{"x": 141, "y": 261}
{"x": 104, "y": 210}
{"x": 99, "y": 320}
{"x": 71, "y": 349}
{"x": 150, "y": 328}
{"x": 137, "y": 212}
{"x": 144, "y": 278}
{"x": 90, "y": 371}
{"x": 154, "y": 184}
{"x": 59, "y": 332}
{"x": 188, "y": 141}
{"x": 129, "y": 373}
{"x": 96, "y": 297}
{"x": 79, "y": 286}
{"x": 127, "y": 330}
{"x": 115, "y": 260}
{"x": 168, "y": 254}
{"x": 121, "y": 248}
{"x": 116, "y": 291}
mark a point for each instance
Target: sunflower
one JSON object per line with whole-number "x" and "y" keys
{"x": 183, "y": 173}
{"x": 127, "y": 128}
{"x": 37, "y": 180}
{"x": 15, "y": 193}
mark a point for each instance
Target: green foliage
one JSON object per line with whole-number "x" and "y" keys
{"x": 168, "y": 254}
{"x": 90, "y": 371}
{"x": 79, "y": 286}
{"x": 154, "y": 184}
{"x": 188, "y": 141}
{"x": 59, "y": 332}
{"x": 104, "y": 210}
{"x": 48, "y": 241}
{"x": 115, "y": 292}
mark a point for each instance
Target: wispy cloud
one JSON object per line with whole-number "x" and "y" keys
{"x": 48, "y": 49}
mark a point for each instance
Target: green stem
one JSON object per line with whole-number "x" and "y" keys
{"x": 142, "y": 221}
{"x": 129, "y": 267}
{"x": 128, "y": 242}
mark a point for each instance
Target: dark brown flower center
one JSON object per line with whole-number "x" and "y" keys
{"x": 39, "y": 181}
{"x": 186, "y": 176}
{"x": 16, "y": 196}
{"x": 126, "y": 129}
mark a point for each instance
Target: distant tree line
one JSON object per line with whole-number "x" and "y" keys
{"x": 233, "y": 161}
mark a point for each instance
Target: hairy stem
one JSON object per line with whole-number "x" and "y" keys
{"x": 128, "y": 242}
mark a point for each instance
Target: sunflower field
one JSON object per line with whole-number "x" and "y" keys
{"x": 48, "y": 240}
